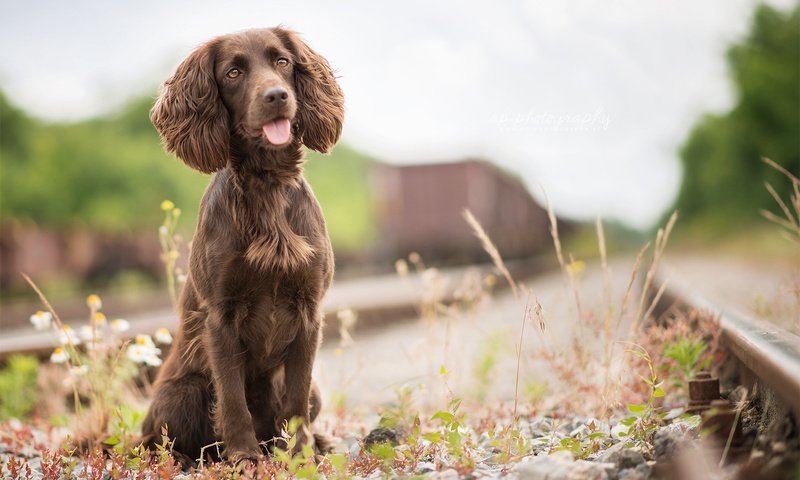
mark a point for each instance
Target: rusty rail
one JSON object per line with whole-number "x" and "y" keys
{"x": 771, "y": 353}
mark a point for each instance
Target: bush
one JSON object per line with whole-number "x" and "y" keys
{"x": 19, "y": 391}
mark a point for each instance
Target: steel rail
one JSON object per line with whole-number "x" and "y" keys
{"x": 771, "y": 353}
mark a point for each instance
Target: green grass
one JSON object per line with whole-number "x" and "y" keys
{"x": 341, "y": 184}
{"x": 759, "y": 241}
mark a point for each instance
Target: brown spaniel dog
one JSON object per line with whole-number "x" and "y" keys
{"x": 242, "y": 106}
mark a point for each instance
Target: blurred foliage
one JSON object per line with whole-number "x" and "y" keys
{"x": 341, "y": 182}
{"x": 19, "y": 390}
{"x": 111, "y": 174}
{"x": 723, "y": 180}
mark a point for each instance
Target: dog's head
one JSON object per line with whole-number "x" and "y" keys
{"x": 265, "y": 87}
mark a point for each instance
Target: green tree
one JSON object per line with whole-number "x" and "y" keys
{"x": 723, "y": 180}
{"x": 111, "y": 174}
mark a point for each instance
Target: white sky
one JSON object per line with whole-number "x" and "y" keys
{"x": 588, "y": 99}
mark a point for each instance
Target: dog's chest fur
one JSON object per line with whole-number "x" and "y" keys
{"x": 275, "y": 237}
{"x": 281, "y": 249}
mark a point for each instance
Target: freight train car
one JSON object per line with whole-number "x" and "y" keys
{"x": 420, "y": 209}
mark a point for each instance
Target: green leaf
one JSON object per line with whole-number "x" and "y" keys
{"x": 337, "y": 460}
{"x": 445, "y": 417}
{"x": 454, "y": 438}
{"x": 384, "y": 451}
{"x": 628, "y": 421}
{"x": 658, "y": 392}
{"x": 433, "y": 437}
{"x": 308, "y": 471}
{"x": 636, "y": 408}
{"x": 308, "y": 451}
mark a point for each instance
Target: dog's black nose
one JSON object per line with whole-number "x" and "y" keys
{"x": 276, "y": 95}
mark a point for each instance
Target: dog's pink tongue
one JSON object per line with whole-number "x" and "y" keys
{"x": 277, "y": 131}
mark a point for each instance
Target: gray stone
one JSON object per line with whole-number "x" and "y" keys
{"x": 541, "y": 427}
{"x": 641, "y": 472}
{"x": 621, "y": 457}
{"x": 561, "y": 466}
{"x": 381, "y": 435}
{"x": 425, "y": 467}
{"x": 668, "y": 439}
{"x": 448, "y": 474}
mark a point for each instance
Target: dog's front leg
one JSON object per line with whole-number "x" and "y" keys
{"x": 232, "y": 420}
{"x": 300, "y": 361}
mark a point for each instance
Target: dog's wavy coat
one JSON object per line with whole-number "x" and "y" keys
{"x": 242, "y": 106}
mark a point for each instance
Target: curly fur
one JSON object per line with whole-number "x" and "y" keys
{"x": 261, "y": 260}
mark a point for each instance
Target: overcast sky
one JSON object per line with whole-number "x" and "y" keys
{"x": 587, "y": 99}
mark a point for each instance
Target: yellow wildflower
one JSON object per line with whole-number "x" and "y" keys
{"x": 576, "y": 266}
{"x": 163, "y": 336}
{"x": 59, "y": 355}
{"x": 93, "y": 301}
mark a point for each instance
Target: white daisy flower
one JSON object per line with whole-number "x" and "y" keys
{"x": 93, "y": 301}
{"x": 137, "y": 352}
{"x": 59, "y": 355}
{"x": 163, "y": 336}
{"x": 100, "y": 319}
{"x": 141, "y": 353}
{"x": 152, "y": 360}
{"x": 120, "y": 325}
{"x": 41, "y": 320}
{"x": 145, "y": 340}
{"x": 67, "y": 335}
{"x": 85, "y": 333}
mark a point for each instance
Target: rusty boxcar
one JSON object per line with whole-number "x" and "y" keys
{"x": 420, "y": 209}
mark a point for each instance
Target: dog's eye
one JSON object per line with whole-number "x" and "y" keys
{"x": 233, "y": 73}
{"x": 282, "y": 62}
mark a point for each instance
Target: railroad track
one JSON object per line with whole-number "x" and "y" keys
{"x": 377, "y": 301}
{"x": 763, "y": 353}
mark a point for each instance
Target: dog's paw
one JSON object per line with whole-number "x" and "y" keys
{"x": 323, "y": 444}
{"x": 243, "y": 457}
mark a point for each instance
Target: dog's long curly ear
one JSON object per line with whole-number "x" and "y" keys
{"x": 320, "y": 112}
{"x": 189, "y": 114}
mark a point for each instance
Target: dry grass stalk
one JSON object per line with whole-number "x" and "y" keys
{"x": 658, "y": 251}
{"x": 601, "y": 245}
{"x": 554, "y": 232}
{"x": 637, "y": 265}
{"x": 573, "y": 278}
{"x": 656, "y": 298}
{"x": 93, "y": 425}
{"x": 736, "y": 419}
{"x": 525, "y": 318}
{"x": 792, "y": 221}
{"x": 491, "y": 249}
